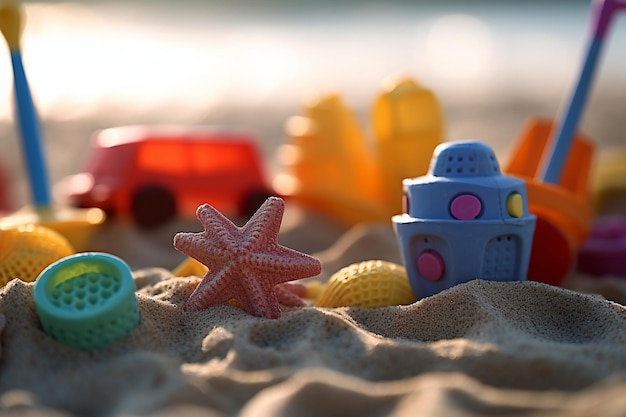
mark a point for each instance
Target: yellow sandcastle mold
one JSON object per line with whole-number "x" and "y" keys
{"x": 190, "y": 267}
{"x": 408, "y": 125}
{"x": 332, "y": 168}
{"x": 27, "y": 250}
{"x": 372, "y": 283}
{"x": 77, "y": 225}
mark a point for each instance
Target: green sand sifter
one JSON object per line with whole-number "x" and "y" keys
{"x": 87, "y": 300}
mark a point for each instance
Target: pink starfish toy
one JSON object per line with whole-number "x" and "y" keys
{"x": 246, "y": 264}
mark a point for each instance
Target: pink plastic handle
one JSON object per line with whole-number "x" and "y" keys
{"x": 603, "y": 13}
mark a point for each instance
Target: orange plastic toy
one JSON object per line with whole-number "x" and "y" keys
{"x": 333, "y": 169}
{"x": 563, "y": 210}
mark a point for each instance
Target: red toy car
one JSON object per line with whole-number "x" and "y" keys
{"x": 154, "y": 173}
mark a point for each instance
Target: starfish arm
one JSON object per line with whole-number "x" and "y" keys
{"x": 198, "y": 247}
{"x": 212, "y": 290}
{"x": 264, "y": 225}
{"x": 287, "y": 264}
{"x": 188, "y": 243}
{"x": 260, "y": 292}
{"x": 217, "y": 227}
{"x": 289, "y": 294}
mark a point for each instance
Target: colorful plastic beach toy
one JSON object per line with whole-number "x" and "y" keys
{"x": 153, "y": 173}
{"x": 563, "y": 210}
{"x": 330, "y": 168}
{"x": 367, "y": 284}
{"x": 333, "y": 169}
{"x": 609, "y": 183}
{"x": 87, "y": 300}
{"x": 408, "y": 124}
{"x": 463, "y": 221}
{"x": 26, "y": 250}
{"x": 76, "y": 225}
{"x": 604, "y": 253}
{"x": 602, "y": 14}
{"x": 190, "y": 267}
{"x": 554, "y": 161}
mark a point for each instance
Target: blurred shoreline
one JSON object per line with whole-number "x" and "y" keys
{"x": 82, "y": 58}
{"x": 94, "y": 65}
{"x": 497, "y": 123}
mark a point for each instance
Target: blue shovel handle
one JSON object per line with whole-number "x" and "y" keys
{"x": 561, "y": 142}
{"x": 31, "y": 135}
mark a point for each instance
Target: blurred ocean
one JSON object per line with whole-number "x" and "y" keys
{"x": 144, "y": 56}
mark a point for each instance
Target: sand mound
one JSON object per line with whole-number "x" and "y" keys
{"x": 481, "y": 347}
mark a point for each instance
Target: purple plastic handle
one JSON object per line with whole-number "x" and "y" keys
{"x": 602, "y": 14}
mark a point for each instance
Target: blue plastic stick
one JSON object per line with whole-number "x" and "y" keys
{"x": 31, "y": 136}
{"x": 567, "y": 128}
{"x": 561, "y": 142}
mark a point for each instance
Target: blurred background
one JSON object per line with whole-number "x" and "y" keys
{"x": 247, "y": 63}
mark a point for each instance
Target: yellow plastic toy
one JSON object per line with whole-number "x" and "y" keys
{"x": 408, "y": 125}
{"x": 608, "y": 184}
{"x": 372, "y": 283}
{"x": 27, "y": 250}
{"x": 190, "y": 267}
{"x": 76, "y": 225}
{"x": 332, "y": 167}
{"x": 332, "y": 170}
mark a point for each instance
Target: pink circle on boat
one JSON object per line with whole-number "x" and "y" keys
{"x": 431, "y": 265}
{"x": 465, "y": 207}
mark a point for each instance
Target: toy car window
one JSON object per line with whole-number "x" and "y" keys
{"x": 168, "y": 157}
{"x": 220, "y": 157}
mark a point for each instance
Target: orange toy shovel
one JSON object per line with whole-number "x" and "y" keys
{"x": 563, "y": 210}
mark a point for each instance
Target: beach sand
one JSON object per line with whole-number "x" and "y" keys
{"x": 480, "y": 348}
